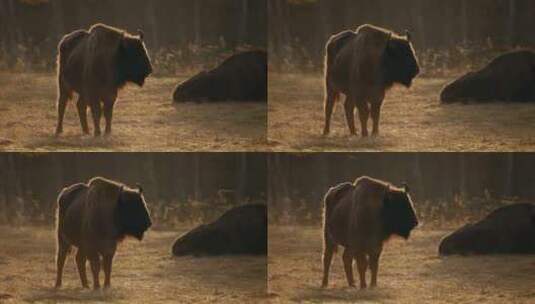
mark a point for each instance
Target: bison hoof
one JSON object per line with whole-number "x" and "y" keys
{"x": 363, "y": 286}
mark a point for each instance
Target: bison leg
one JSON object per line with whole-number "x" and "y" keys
{"x": 106, "y": 263}
{"x": 376, "y": 112}
{"x": 328, "y": 253}
{"x": 95, "y": 269}
{"x": 95, "y": 111}
{"x": 80, "y": 263}
{"x": 330, "y": 100}
{"x": 108, "y": 114}
{"x": 82, "y": 114}
{"x": 374, "y": 267}
{"x": 349, "y": 108}
{"x": 63, "y": 250}
{"x": 362, "y": 266}
{"x": 62, "y": 104}
{"x": 348, "y": 267}
{"x": 363, "y": 116}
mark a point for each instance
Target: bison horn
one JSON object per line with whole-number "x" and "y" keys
{"x": 140, "y": 33}
{"x": 139, "y": 188}
{"x": 408, "y": 35}
{"x": 406, "y": 187}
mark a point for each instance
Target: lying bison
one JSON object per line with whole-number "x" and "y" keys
{"x": 509, "y": 229}
{"x": 96, "y": 64}
{"x": 361, "y": 216}
{"x": 363, "y": 65}
{"x": 241, "y": 77}
{"x": 508, "y": 77}
{"x": 241, "y": 230}
{"x": 95, "y": 217}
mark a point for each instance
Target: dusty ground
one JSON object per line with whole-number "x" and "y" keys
{"x": 145, "y": 119}
{"x": 411, "y": 120}
{"x": 409, "y": 272}
{"x": 143, "y": 272}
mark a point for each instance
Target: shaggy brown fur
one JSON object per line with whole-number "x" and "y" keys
{"x": 508, "y": 77}
{"x": 240, "y": 230}
{"x": 94, "y": 217}
{"x": 506, "y": 230}
{"x": 360, "y": 217}
{"x": 363, "y": 65}
{"x": 96, "y": 64}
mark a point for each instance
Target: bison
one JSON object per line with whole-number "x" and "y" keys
{"x": 241, "y": 77}
{"x": 361, "y": 216}
{"x": 96, "y": 64}
{"x": 363, "y": 65}
{"x": 506, "y": 230}
{"x": 95, "y": 217}
{"x": 508, "y": 77}
{"x": 241, "y": 230}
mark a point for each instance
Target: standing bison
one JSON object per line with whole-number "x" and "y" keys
{"x": 509, "y": 229}
{"x": 363, "y": 65}
{"x": 95, "y": 217}
{"x": 508, "y": 77}
{"x": 96, "y": 64}
{"x": 241, "y": 230}
{"x": 241, "y": 77}
{"x": 360, "y": 217}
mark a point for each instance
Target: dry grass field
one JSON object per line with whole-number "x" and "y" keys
{"x": 409, "y": 272}
{"x": 411, "y": 120}
{"x": 145, "y": 119}
{"x": 143, "y": 272}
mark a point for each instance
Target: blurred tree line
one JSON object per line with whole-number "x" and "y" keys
{"x": 177, "y": 186}
{"x": 176, "y": 31}
{"x": 442, "y": 185}
{"x": 299, "y": 29}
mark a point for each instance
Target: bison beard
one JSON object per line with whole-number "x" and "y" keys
{"x": 363, "y": 65}
{"x": 241, "y": 77}
{"x": 96, "y": 64}
{"x": 507, "y": 230}
{"x": 509, "y": 77}
{"x": 241, "y": 230}
{"x": 360, "y": 217}
{"x": 94, "y": 217}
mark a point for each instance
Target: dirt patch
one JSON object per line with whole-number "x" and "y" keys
{"x": 143, "y": 272}
{"x": 145, "y": 119}
{"x": 411, "y": 120}
{"x": 409, "y": 272}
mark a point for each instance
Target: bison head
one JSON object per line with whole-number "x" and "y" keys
{"x": 204, "y": 239}
{"x": 200, "y": 87}
{"x": 398, "y": 213}
{"x": 131, "y": 214}
{"x": 133, "y": 60}
{"x": 471, "y": 86}
{"x": 399, "y": 62}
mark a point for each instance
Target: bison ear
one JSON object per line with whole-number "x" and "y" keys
{"x": 140, "y": 34}
{"x": 408, "y": 35}
{"x": 139, "y": 188}
{"x": 406, "y": 188}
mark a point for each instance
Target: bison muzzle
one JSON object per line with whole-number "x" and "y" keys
{"x": 96, "y": 64}
{"x": 363, "y": 65}
{"x": 95, "y": 217}
{"x": 241, "y": 230}
{"x": 361, "y": 216}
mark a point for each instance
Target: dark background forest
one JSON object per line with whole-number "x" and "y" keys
{"x": 443, "y": 31}
{"x": 178, "y": 33}
{"x": 444, "y": 186}
{"x": 178, "y": 187}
